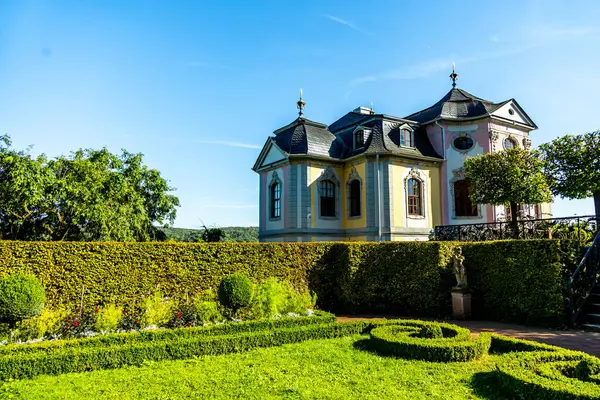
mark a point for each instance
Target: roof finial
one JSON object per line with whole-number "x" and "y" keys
{"x": 301, "y": 103}
{"x": 454, "y": 75}
{"x": 371, "y": 107}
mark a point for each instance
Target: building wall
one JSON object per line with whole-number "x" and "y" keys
{"x": 315, "y": 172}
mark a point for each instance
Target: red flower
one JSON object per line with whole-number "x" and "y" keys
{"x": 179, "y": 314}
{"x": 97, "y": 309}
{"x": 137, "y": 322}
{"x": 76, "y": 323}
{"x": 124, "y": 311}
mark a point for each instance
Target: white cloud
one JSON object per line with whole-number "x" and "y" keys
{"x": 230, "y": 143}
{"x": 552, "y": 33}
{"x": 343, "y": 22}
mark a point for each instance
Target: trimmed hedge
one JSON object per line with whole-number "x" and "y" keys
{"x": 520, "y": 281}
{"x": 548, "y": 375}
{"x": 168, "y": 334}
{"x": 79, "y": 359}
{"x": 523, "y": 281}
{"x": 402, "y": 339}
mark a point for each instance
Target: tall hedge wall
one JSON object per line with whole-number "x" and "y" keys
{"x": 512, "y": 280}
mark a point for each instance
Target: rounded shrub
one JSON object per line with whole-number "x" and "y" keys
{"x": 21, "y": 296}
{"x": 235, "y": 291}
{"x": 428, "y": 341}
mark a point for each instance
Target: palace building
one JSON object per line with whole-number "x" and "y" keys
{"x": 376, "y": 177}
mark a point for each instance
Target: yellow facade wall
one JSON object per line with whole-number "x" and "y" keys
{"x": 314, "y": 171}
{"x": 433, "y": 199}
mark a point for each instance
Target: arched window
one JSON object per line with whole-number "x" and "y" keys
{"x": 414, "y": 196}
{"x": 275, "y": 200}
{"x": 510, "y": 143}
{"x": 327, "y": 198}
{"x": 354, "y": 198}
{"x": 359, "y": 139}
{"x": 463, "y": 206}
{"x": 406, "y": 138}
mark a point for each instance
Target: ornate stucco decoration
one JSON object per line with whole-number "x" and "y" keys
{"x": 526, "y": 143}
{"x": 353, "y": 176}
{"x": 415, "y": 173}
{"x": 493, "y": 139}
{"x": 329, "y": 175}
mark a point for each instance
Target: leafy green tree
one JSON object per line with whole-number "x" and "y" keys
{"x": 572, "y": 166}
{"x": 513, "y": 176}
{"x": 91, "y": 195}
{"x": 213, "y": 234}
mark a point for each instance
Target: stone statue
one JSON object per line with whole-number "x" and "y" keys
{"x": 459, "y": 269}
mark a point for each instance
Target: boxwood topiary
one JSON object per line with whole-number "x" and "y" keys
{"x": 235, "y": 291}
{"x": 21, "y": 297}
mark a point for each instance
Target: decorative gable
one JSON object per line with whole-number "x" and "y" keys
{"x": 270, "y": 155}
{"x": 513, "y": 112}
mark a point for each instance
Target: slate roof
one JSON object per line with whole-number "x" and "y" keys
{"x": 304, "y": 136}
{"x": 457, "y": 105}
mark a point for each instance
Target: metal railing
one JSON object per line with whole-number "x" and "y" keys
{"x": 583, "y": 280}
{"x": 582, "y": 228}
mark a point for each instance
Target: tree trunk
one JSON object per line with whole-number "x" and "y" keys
{"x": 514, "y": 222}
{"x": 597, "y": 203}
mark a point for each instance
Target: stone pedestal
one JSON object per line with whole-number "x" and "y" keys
{"x": 461, "y": 304}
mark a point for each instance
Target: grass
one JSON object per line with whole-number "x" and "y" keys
{"x": 315, "y": 369}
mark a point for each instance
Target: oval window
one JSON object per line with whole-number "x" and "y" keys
{"x": 463, "y": 143}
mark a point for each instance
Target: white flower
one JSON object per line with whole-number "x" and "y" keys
{"x": 310, "y": 313}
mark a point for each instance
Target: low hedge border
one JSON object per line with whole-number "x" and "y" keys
{"x": 79, "y": 359}
{"x": 549, "y": 375}
{"x": 401, "y": 340}
{"x": 503, "y": 344}
{"x": 320, "y": 317}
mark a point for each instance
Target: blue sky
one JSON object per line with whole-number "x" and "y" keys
{"x": 198, "y": 86}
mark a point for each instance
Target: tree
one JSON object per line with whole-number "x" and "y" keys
{"x": 572, "y": 166}
{"x": 211, "y": 235}
{"x": 91, "y": 195}
{"x": 512, "y": 176}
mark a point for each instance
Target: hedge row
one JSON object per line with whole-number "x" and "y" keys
{"x": 168, "y": 334}
{"x": 405, "y": 339}
{"x": 78, "y": 359}
{"x": 521, "y": 281}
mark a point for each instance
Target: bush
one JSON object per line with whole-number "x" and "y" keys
{"x": 46, "y": 324}
{"x": 78, "y": 359}
{"x": 208, "y": 312}
{"x": 402, "y": 339}
{"x": 157, "y": 311}
{"x": 235, "y": 291}
{"x": 431, "y": 332}
{"x": 108, "y": 318}
{"x": 21, "y": 297}
{"x": 275, "y": 297}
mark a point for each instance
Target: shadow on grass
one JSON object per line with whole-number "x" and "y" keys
{"x": 367, "y": 346}
{"x": 485, "y": 385}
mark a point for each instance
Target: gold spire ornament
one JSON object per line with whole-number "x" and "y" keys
{"x": 454, "y": 76}
{"x": 301, "y": 103}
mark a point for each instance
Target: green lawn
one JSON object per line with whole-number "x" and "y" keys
{"x": 323, "y": 369}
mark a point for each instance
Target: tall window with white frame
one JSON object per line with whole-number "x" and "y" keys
{"x": 354, "y": 197}
{"x": 414, "y": 191}
{"x": 275, "y": 200}
{"x": 327, "y": 201}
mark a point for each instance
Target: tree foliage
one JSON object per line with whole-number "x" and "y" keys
{"x": 513, "y": 176}
{"x": 572, "y": 166}
{"x": 91, "y": 195}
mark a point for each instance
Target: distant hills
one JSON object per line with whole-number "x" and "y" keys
{"x": 232, "y": 234}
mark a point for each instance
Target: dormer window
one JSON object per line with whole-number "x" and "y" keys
{"x": 406, "y": 138}
{"x": 359, "y": 139}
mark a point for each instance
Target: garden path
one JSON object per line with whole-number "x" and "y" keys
{"x": 588, "y": 342}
